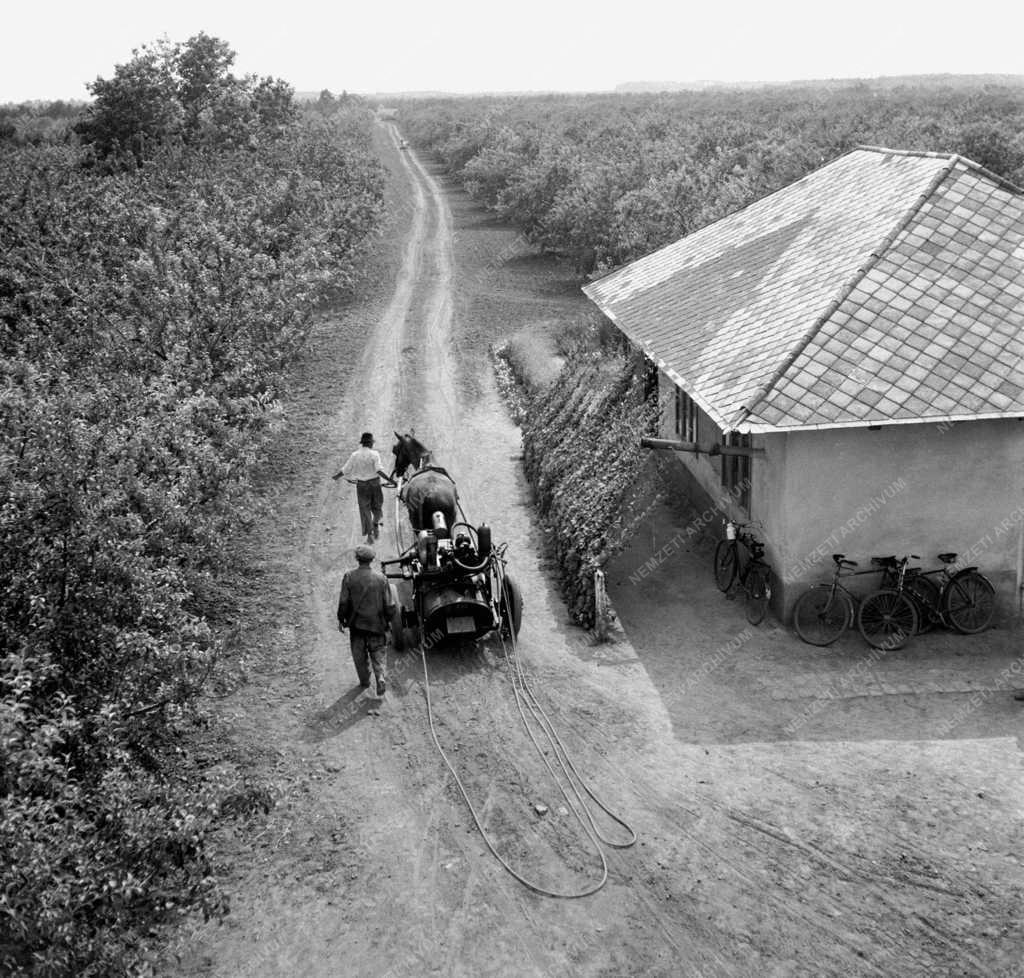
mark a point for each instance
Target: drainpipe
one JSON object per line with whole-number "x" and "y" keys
{"x": 1020, "y": 571}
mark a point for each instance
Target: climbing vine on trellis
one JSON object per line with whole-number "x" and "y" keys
{"x": 582, "y": 455}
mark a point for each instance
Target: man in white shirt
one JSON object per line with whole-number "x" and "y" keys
{"x": 363, "y": 469}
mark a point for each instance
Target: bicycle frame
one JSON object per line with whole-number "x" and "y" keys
{"x": 837, "y": 579}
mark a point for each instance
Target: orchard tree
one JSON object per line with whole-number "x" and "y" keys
{"x": 326, "y": 103}
{"x": 330, "y": 104}
{"x": 273, "y": 103}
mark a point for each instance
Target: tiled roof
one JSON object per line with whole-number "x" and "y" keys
{"x": 886, "y": 287}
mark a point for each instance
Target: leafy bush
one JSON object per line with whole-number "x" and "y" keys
{"x": 148, "y": 309}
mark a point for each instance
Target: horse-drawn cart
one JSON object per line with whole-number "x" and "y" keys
{"x": 460, "y": 590}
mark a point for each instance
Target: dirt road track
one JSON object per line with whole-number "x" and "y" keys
{"x": 754, "y": 859}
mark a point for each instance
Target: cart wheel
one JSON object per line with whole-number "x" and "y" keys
{"x": 511, "y": 606}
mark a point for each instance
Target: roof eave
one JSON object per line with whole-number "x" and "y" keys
{"x": 768, "y": 429}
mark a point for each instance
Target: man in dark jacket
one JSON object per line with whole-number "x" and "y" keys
{"x": 365, "y": 606}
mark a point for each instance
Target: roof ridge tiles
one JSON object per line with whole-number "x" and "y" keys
{"x": 876, "y": 253}
{"x": 930, "y": 154}
{"x": 953, "y": 158}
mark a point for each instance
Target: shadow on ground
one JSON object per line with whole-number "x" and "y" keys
{"x": 724, "y": 681}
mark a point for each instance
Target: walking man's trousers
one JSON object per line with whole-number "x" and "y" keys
{"x": 369, "y": 651}
{"x": 370, "y": 497}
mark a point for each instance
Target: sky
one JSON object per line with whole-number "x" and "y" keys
{"x": 53, "y": 49}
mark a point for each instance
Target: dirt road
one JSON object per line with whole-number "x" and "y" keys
{"x": 754, "y": 858}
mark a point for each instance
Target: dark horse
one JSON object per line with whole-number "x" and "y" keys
{"x": 408, "y": 453}
{"x": 429, "y": 490}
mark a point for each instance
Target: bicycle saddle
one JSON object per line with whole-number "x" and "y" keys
{"x": 947, "y": 558}
{"x": 884, "y": 561}
{"x": 841, "y": 560}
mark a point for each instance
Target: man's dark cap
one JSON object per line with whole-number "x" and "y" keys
{"x": 366, "y": 439}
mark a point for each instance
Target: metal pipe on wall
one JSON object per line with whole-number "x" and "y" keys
{"x": 1020, "y": 570}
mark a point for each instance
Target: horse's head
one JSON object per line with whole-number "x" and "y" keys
{"x": 408, "y": 452}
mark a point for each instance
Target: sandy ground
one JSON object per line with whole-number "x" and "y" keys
{"x": 799, "y": 812}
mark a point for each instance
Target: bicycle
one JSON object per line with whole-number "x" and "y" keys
{"x": 824, "y": 611}
{"x": 887, "y": 618}
{"x": 754, "y": 574}
{"x": 963, "y": 600}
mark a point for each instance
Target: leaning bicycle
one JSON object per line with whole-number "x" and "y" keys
{"x": 964, "y": 599}
{"x": 753, "y": 574}
{"x": 887, "y": 618}
{"x": 825, "y": 611}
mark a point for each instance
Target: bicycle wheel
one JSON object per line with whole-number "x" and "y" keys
{"x": 887, "y": 619}
{"x": 725, "y": 564}
{"x": 969, "y": 602}
{"x": 758, "y": 587}
{"x": 927, "y": 596}
{"x": 822, "y": 613}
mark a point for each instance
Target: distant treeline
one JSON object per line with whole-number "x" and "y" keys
{"x": 604, "y": 179}
{"x": 37, "y": 122}
{"x": 58, "y": 109}
{"x": 160, "y": 261}
{"x": 44, "y": 121}
{"x": 883, "y": 83}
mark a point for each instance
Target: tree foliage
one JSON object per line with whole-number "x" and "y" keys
{"x": 184, "y": 92}
{"x": 147, "y": 314}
